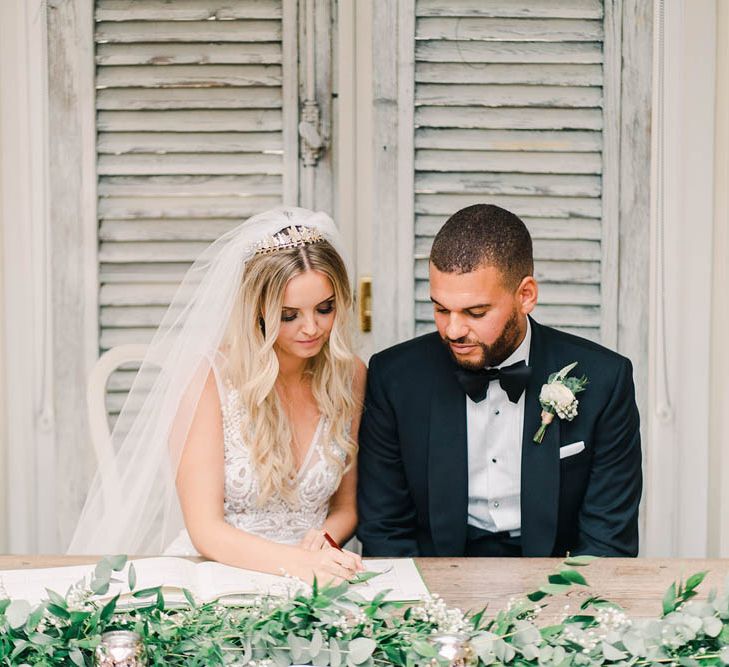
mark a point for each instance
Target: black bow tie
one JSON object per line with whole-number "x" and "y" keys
{"x": 513, "y": 380}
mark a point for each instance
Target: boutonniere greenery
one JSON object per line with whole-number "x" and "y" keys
{"x": 557, "y": 397}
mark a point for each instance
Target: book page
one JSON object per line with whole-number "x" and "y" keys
{"x": 401, "y": 575}
{"x": 31, "y": 584}
{"x": 164, "y": 571}
{"x": 218, "y": 580}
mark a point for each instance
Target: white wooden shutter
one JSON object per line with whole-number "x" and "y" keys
{"x": 509, "y": 110}
{"x": 190, "y": 118}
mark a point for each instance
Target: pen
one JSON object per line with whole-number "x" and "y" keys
{"x": 332, "y": 542}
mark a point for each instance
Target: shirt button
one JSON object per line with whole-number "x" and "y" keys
{"x": 493, "y": 460}
{"x": 496, "y": 503}
{"x": 497, "y": 412}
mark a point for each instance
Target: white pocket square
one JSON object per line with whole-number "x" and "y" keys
{"x": 572, "y": 449}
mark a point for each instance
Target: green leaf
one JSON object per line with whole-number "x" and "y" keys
{"x": 317, "y": 641}
{"x": 132, "y": 577}
{"x": 361, "y": 577}
{"x": 581, "y": 619}
{"x": 76, "y": 657}
{"x": 476, "y": 618}
{"x": 669, "y": 599}
{"x": 555, "y": 589}
{"x": 360, "y": 649}
{"x": 20, "y": 646}
{"x": 334, "y": 592}
{"x": 117, "y": 563}
{"x": 108, "y": 611}
{"x": 17, "y": 613}
{"x": 634, "y": 643}
{"x": 612, "y": 653}
{"x": 35, "y": 616}
{"x": 99, "y": 586}
{"x": 579, "y": 561}
{"x": 550, "y": 631}
{"x": 695, "y": 579}
{"x": 147, "y": 592}
{"x": 557, "y": 579}
{"x": 530, "y": 652}
{"x": 103, "y": 569}
{"x": 565, "y": 371}
{"x": 56, "y": 599}
{"x": 712, "y": 626}
{"x": 78, "y": 617}
{"x": 335, "y": 653}
{"x": 687, "y": 661}
{"x": 190, "y": 598}
{"x": 574, "y": 577}
{"x": 423, "y": 648}
{"x": 58, "y": 611}
{"x": 536, "y": 596}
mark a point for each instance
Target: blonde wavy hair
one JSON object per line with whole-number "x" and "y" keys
{"x": 252, "y": 364}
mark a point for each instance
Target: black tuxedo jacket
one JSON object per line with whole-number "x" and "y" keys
{"x": 413, "y": 468}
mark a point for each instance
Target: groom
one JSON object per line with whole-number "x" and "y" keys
{"x": 448, "y": 465}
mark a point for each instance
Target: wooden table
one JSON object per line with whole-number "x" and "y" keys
{"x": 470, "y": 583}
{"x": 637, "y": 584}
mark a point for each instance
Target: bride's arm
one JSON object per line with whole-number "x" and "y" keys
{"x": 342, "y": 518}
{"x": 201, "y": 489}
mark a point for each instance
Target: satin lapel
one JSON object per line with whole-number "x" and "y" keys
{"x": 539, "y": 462}
{"x": 448, "y": 467}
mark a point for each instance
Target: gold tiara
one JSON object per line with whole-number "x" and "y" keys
{"x": 291, "y": 237}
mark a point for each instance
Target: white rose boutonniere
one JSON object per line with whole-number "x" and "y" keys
{"x": 558, "y": 397}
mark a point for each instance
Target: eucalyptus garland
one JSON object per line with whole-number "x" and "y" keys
{"x": 333, "y": 625}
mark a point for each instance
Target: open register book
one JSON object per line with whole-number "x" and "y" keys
{"x": 206, "y": 581}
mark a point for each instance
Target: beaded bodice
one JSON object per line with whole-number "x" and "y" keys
{"x": 317, "y": 480}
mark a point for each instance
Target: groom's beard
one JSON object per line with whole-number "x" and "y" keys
{"x": 491, "y": 355}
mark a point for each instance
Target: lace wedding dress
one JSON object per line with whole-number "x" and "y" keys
{"x": 278, "y": 520}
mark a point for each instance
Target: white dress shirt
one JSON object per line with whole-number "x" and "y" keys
{"x": 495, "y": 427}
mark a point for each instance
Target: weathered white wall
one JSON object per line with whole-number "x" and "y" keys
{"x": 678, "y": 454}
{"x": 3, "y": 436}
{"x": 718, "y": 543}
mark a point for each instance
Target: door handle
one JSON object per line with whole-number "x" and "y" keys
{"x": 365, "y": 303}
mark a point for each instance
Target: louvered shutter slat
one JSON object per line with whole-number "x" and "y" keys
{"x": 186, "y": 10}
{"x": 189, "y": 53}
{"x": 213, "y": 120}
{"x": 508, "y": 140}
{"x": 510, "y": 29}
{"x": 460, "y": 51}
{"x": 165, "y": 186}
{"x": 578, "y": 9}
{"x": 128, "y": 32}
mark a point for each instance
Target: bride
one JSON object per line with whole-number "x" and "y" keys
{"x": 238, "y": 438}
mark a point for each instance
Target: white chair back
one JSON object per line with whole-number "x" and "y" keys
{"x": 98, "y": 418}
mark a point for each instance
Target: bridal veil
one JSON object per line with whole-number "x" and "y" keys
{"x": 136, "y": 510}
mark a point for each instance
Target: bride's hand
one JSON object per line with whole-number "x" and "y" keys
{"x": 314, "y": 540}
{"x": 328, "y": 565}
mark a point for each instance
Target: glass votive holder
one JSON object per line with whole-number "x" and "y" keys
{"x": 454, "y": 648}
{"x": 120, "y": 648}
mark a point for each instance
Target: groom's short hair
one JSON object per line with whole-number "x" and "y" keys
{"x": 484, "y": 235}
